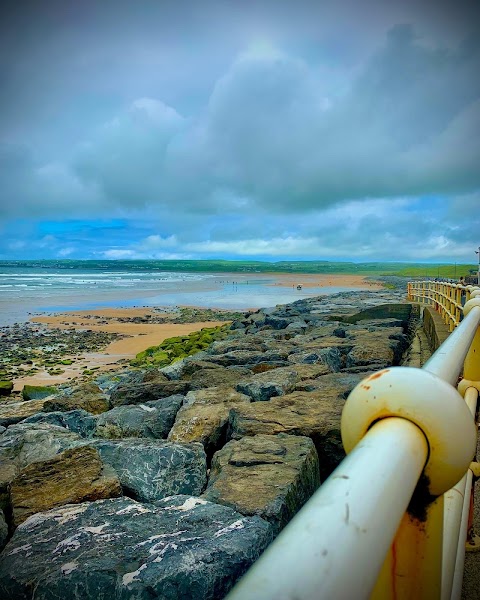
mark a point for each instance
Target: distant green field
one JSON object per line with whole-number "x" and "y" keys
{"x": 240, "y": 266}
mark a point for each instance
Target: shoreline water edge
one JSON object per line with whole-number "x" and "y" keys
{"x": 106, "y": 329}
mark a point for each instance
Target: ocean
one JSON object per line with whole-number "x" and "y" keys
{"x": 39, "y": 288}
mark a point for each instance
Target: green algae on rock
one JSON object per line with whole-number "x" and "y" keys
{"x": 6, "y": 388}
{"x": 37, "y": 392}
{"x": 175, "y": 348}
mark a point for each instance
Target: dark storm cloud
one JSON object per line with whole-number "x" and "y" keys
{"x": 272, "y": 135}
{"x": 203, "y": 117}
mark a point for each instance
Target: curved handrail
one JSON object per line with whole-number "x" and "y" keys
{"x": 342, "y": 543}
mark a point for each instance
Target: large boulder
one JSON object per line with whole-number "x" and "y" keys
{"x": 249, "y": 358}
{"x": 204, "y": 417}
{"x": 153, "y": 419}
{"x": 71, "y": 477}
{"x": 182, "y": 549}
{"x": 153, "y": 469}
{"x": 14, "y": 412}
{"x": 214, "y": 395}
{"x": 274, "y": 382}
{"x": 313, "y": 414}
{"x": 219, "y": 376}
{"x": 79, "y": 421}
{"x": 271, "y": 476}
{"x": 378, "y": 348}
{"x": 140, "y": 393}
{"x": 149, "y": 375}
{"x": 234, "y": 344}
{"x": 277, "y": 322}
{"x": 331, "y": 357}
{"x": 37, "y": 392}
{"x": 25, "y": 443}
{"x": 87, "y": 397}
{"x": 186, "y": 366}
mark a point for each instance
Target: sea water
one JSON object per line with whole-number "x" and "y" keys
{"x": 36, "y": 289}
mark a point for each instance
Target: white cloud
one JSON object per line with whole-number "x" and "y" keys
{"x": 154, "y": 242}
{"x": 63, "y": 252}
{"x": 118, "y": 253}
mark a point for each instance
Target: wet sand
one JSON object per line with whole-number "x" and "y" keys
{"x": 139, "y": 336}
{"x": 309, "y": 280}
{"x": 119, "y": 352}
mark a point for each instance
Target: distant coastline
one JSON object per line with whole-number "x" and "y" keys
{"x": 28, "y": 288}
{"x": 406, "y": 269}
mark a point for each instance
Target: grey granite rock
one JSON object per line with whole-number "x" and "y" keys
{"x": 331, "y": 357}
{"x": 184, "y": 366}
{"x": 245, "y": 357}
{"x": 184, "y": 548}
{"x": 25, "y": 443}
{"x": 79, "y": 421}
{"x": 154, "y": 419}
{"x": 263, "y": 386}
{"x": 137, "y": 393}
{"x": 232, "y": 345}
{"x": 14, "y": 412}
{"x": 153, "y": 469}
{"x": 277, "y": 322}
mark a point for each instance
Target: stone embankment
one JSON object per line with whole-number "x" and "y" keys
{"x": 169, "y": 483}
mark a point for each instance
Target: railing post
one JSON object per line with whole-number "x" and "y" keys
{"x": 413, "y": 565}
{"x": 471, "y": 371}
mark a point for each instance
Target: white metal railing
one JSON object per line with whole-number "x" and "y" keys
{"x": 390, "y": 521}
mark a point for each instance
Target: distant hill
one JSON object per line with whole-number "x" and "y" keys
{"x": 241, "y": 266}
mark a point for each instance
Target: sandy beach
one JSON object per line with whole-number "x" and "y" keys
{"x": 135, "y": 332}
{"x": 309, "y": 280}
{"x": 138, "y": 337}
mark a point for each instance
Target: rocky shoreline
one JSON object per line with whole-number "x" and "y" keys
{"x": 170, "y": 482}
{"x": 29, "y": 349}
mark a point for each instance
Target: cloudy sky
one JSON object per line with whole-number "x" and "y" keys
{"x": 266, "y": 129}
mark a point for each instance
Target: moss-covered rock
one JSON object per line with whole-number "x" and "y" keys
{"x": 6, "y": 388}
{"x": 37, "y": 392}
{"x": 178, "y": 347}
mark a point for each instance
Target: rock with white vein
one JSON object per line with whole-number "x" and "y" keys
{"x": 181, "y": 548}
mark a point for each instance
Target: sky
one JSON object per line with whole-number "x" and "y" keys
{"x": 262, "y": 130}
